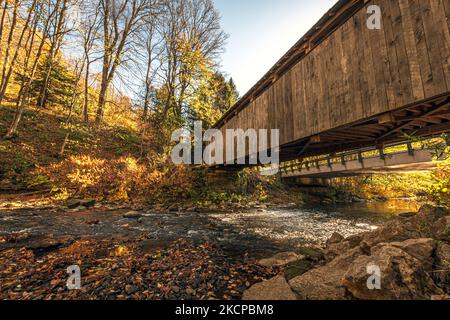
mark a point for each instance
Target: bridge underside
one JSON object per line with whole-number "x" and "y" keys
{"x": 424, "y": 119}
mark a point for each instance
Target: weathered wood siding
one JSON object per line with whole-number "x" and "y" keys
{"x": 357, "y": 73}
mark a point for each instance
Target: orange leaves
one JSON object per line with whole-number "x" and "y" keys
{"x": 119, "y": 180}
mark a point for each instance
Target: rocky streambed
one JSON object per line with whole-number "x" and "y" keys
{"x": 257, "y": 232}
{"x": 407, "y": 258}
{"x": 144, "y": 254}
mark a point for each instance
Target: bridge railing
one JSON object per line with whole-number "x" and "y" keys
{"x": 343, "y": 158}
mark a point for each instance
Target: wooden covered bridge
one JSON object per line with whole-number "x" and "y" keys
{"x": 344, "y": 86}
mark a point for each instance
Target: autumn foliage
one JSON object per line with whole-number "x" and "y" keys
{"x": 114, "y": 180}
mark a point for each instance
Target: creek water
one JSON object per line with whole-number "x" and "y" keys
{"x": 253, "y": 233}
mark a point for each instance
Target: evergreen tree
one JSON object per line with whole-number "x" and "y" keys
{"x": 60, "y": 86}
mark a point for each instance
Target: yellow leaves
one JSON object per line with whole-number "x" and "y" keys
{"x": 121, "y": 250}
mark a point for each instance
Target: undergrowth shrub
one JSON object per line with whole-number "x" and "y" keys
{"x": 116, "y": 180}
{"x": 440, "y": 190}
{"x": 386, "y": 185}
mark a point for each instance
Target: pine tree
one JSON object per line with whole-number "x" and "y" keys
{"x": 60, "y": 85}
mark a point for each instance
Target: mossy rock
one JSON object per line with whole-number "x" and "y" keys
{"x": 312, "y": 254}
{"x": 297, "y": 268}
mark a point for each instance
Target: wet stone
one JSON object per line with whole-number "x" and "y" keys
{"x": 129, "y": 289}
{"x": 132, "y": 215}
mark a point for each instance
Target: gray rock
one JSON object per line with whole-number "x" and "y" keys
{"x": 393, "y": 231}
{"x": 280, "y": 259}
{"x": 324, "y": 283}
{"x": 421, "y": 249}
{"x": 275, "y": 289}
{"x": 441, "y": 274}
{"x": 190, "y": 291}
{"x": 441, "y": 229}
{"x": 297, "y": 268}
{"x": 132, "y": 215}
{"x": 335, "y": 238}
{"x": 129, "y": 289}
{"x": 73, "y": 203}
{"x": 88, "y": 203}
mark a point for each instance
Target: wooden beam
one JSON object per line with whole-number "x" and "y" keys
{"x": 386, "y": 118}
{"x": 430, "y": 112}
{"x": 316, "y": 139}
{"x": 305, "y": 147}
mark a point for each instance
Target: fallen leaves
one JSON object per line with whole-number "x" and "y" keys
{"x": 122, "y": 270}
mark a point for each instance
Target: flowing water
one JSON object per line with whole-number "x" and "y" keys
{"x": 253, "y": 233}
{"x": 309, "y": 225}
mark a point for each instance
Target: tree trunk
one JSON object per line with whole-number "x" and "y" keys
{"x": 6, "y": 74}
{"x": 8, "y": 50}
{"x": 57, "y": 37}
{"x": 18, "y": 115}
{"x": 86, "y": 94}
{"x": 2, "y": 24}
{"x": 26, "y": 88}
{"x": 101, "y": 103}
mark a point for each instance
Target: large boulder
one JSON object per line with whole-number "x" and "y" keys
{"x": 421, "y": 249}
{"x": 324, "y": 283}
{"x": 403, "y": 277}
{"x": 335, "y": 248}
{"x": 412, "y": 262}
{"x": 429, "y": 218}
{"x": 441, "y": 229}
{"x": 441, "y": 273}
{"x": 280, "y": 259}
{"x": 276, "y": 289}
{"x": 393, "y": 231}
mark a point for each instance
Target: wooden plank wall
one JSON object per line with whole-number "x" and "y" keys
{"x": 357, "y": 73}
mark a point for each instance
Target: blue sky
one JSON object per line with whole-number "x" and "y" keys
{"x": 261, "y": 31}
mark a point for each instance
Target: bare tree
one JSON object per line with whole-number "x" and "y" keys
{"x": 45, "y": 13}
{"x": 58, "y": 29}
{"x": 8, "y": 62}
{"x": 120, "y": 19}
{"x": 29, "y": 47}
{"x": 4, "y": 10}
{"x": 148, "y": 46}
{"x": 89, "y": 27}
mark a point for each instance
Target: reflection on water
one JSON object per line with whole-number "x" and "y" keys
{"x": 314, "y": 225}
